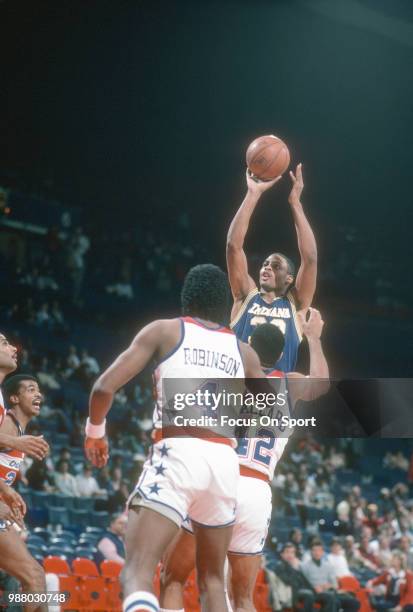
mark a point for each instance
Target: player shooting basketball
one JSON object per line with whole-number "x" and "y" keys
{"x": 281, "y": 291}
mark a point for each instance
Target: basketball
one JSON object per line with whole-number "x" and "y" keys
{"x": 267, "y": 157}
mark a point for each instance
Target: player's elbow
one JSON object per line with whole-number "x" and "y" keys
{"x": 310, "y": 257}
{"x": 103, "y": 387}
{"x": 233, "y": 245}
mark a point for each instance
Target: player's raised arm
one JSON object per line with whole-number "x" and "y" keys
{"x": 239, "y": 278}
{"x": 317, "y": 383}
{"x": 305, "y": 282}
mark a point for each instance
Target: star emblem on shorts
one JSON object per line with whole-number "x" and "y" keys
{"x": 164, "y": 450}
{"x": 155, "y": 488}
{"x": 160, "y": 469}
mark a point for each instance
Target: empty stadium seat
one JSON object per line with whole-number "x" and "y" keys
{"x": 58, "y": 515}
{"x": 84, "y": 567}
{"x": 110, "y": 569}
{"x": 56, "y": 565}
{"x": 100, "y": 519}
{"x": 80, "y": 517}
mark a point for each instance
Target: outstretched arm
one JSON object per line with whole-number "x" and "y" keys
{"x": 123, "y": 369}
{"x": 317, "y": 383}
{"x": 305, "y": 282}
{"x": 240, "y": 281}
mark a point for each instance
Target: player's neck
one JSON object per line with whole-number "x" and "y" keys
{"x": 269, "y": 296}
{"x": 20, "y": 417}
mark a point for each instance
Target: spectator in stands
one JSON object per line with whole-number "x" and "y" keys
{"x": 42, "y": 316}
{"x": 89, "y": 365}
{"x": 383, "y": 551}
{"x": 38, "y": 477}
{"x": 338, "y": 560}
{"x": 373, "y": 520}
{"x": 77, "y": 248}
{"x": 111, "y": 546}
{"x": 288, "y": 571}
{"x": 406, "y": 548}
{"x": 296, "y": 537}
{"x": 72, "y": 362}
{"x": 87, "y": 484}
{"x": 64, "y": 481}
{"x": 321, "y": 575}
{"x": 387, "y": 586}
{"x": 355, "y": 560}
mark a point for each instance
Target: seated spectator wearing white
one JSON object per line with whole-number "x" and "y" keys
{"x": 321, "y": 575}
{"x": 338, "y": 559}
{"x": 111, "y": 546}
{"x": 87, "y": 484}
{"x": 89, "y": 364}
{"x": 65, "y": 483}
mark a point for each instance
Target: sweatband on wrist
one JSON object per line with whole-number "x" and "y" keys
{"x": 95, "y": 431}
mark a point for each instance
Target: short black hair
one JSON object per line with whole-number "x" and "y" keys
{"x": 290, "y": 264}
{"x": 205, "y": 294}
{"x": 12, "y": 384}
{"x": 268, "y": 342}
{"x": 316, "y": 542}
{"x": 287, "y": 545}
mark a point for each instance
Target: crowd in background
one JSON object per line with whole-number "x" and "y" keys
{"x": 74, "y": 296}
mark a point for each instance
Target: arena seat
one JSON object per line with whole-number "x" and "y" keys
{"x": 351, "y": 584}
{"x": 80, "y": 517}
{"x": 93, "y": 594}
{"x": 84, "y": 567}
{"x": 99, "y": 519}
{"x": 58, "y": 515}
{"x": 56, "y": 565}
{"x": 84, "y": 503}
{"x": 110, "y": 569}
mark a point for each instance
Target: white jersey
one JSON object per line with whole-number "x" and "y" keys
{"x": 265, "y": 444}
{"x": 203, "y": 353}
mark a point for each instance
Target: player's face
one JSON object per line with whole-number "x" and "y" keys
{"x": 274, "y": 275}
{"x": 8, "y": 356}
{"x": 29, "y": 397}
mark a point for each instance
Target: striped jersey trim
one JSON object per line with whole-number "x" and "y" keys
{"x": 243, "y": 306}
{"x": 291, "y": 299}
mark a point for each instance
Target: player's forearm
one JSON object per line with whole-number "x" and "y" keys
{"x": 7, "y": 441}
{"x": 305, "y": 235}
{"x": 318, "y": 362}
{"x": 100, "y": 403}
{"x": 240, "y": 223}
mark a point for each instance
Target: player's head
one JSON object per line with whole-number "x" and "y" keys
{"x": 22, "y": 391}
{"x": 268, "y": 341}
{"x": 277, "y": 273}
{"x": 205, "y": 294}
{"x": 8, "y": 357}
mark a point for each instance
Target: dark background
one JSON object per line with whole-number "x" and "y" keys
{"x": 139, "y": 110}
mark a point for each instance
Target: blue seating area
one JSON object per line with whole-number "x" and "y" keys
{"x": 64, "y": 543}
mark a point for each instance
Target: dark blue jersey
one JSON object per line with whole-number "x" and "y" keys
{"x": 281, "y": 312}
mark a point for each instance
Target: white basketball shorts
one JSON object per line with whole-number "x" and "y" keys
{"x": 189, "y": 477}
{"x": 252, "y": 517}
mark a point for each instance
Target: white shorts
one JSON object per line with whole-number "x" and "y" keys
{"x": 190, "y": 477}
{"x": 252, "y": 517}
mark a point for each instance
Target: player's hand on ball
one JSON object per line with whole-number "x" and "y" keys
{"x": 313, "y": 325}
{"x": 298, "y": 185}
{"x": 255, "y": 185}
{"x": 97, "y": 451}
